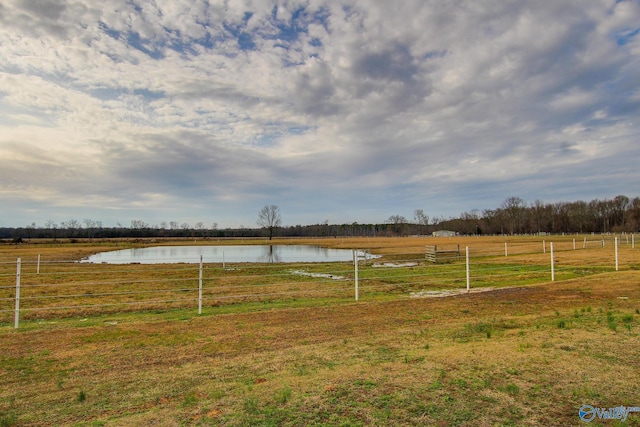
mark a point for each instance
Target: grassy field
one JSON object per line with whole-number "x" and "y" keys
{"x": 528, "y": 352}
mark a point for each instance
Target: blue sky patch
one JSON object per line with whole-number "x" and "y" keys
{"x": 624, "y": 37}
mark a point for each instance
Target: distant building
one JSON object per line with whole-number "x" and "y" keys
{"x": 444, "y": 233}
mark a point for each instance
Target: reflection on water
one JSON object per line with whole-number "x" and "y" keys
{"x": 271, "y": 254}
{"x": 220, "y": 254}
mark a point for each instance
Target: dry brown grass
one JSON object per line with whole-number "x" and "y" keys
{"x": 515, "y": 356}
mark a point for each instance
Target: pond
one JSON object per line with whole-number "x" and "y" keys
{"x": 220, "y": 254}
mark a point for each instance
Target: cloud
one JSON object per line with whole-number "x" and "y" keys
{"x": 355, "y": 110}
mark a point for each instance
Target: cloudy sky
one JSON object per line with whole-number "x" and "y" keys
{"x": 345, "y": 110}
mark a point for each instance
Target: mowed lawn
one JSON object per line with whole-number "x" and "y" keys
{"x": 526, "y": 355}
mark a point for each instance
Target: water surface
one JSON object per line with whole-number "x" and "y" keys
{"x": 220, "y": 254}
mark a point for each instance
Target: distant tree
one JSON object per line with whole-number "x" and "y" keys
{"x": 578, "y": 215}
{"x": 72, "y": 225}
{"x": 52, "y": 227}
{"x": 469, "y": 222}
{"x": 30, "y": 229}
{"x": 537, "y": 210}
{"x": 269, "y": 218}
{"x": 398, "y": 223}
{"x": 634, "y": 214}
{"x": 397, "y": 219}
{"x": 89, "y": 225}
{"x": 620, "y": 205}
{"x": 138, "y": 224}
{"x": 514, "y": 208}
{"x": 421, "y": 219}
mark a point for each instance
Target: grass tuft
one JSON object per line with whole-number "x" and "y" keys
{"x": 8, "y": 420}
{"x": 283, "y": 395}
{"x": 190, "y": 399}
{"x": 251, "y": 405}
{"x": 512, "y": 389}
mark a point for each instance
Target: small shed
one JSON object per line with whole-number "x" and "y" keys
{"x": 444, "y": 233}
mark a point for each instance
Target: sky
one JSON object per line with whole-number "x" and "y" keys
{"x": 341, "y": 111}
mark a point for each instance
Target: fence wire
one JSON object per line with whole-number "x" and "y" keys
{"x": 65, "y": 289}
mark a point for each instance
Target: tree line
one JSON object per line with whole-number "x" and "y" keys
{"x": 513, "y": 216}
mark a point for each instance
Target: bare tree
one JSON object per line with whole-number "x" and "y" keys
{"x": 90, "y": 225}
{"x": 421, "y": 219}
{"x": 634, "y": 213}
{"x": 397, "y": 219}
{"x": 138, "y": 224}
{"x": 269, "y": 218}
{"x": 398, "y": 222}
{"x": 514, "y": 208}
{"x": 72, "y": 225}
{"x": 30, "y": 229}
{"x": 537, "y": 209}
{"x": 200, "y": 227}
{"x": 52, "y": 226}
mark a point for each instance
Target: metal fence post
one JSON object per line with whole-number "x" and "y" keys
{"x": 467, "y": 257}
{"x": 553, "y": 270}
{"x": 200, "y": 287}
{"x": 355, "y": 262}
{"x": 16, "y": 320}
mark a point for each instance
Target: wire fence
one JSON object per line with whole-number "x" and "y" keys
{"x": 36, "y": 289}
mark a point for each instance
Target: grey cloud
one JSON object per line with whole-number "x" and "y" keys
{"x": 395, "y": 64}
{"x": 40, "y": 17}
{"x": 399, "y": 104}
{"x": 314, "y": 91}
{"x": 43, "y": 9}
{"x": 187, "y": 164}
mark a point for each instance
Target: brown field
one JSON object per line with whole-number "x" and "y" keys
{"x": 527, "y": 352}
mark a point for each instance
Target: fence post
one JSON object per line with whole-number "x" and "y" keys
{"x": 467, "y": 257}
{"x": 553, "y": 269}
{"x": 355, "y": 263}
{"x": 574, "y": 244}
{"x": 200, "y": 287}
{"x": 16, "y": 319}
{"x": 616, "y": 244}
{"x": 38, "y": 269}
{"x": 506, "y": 251}
{"x": 544, "y": 247}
